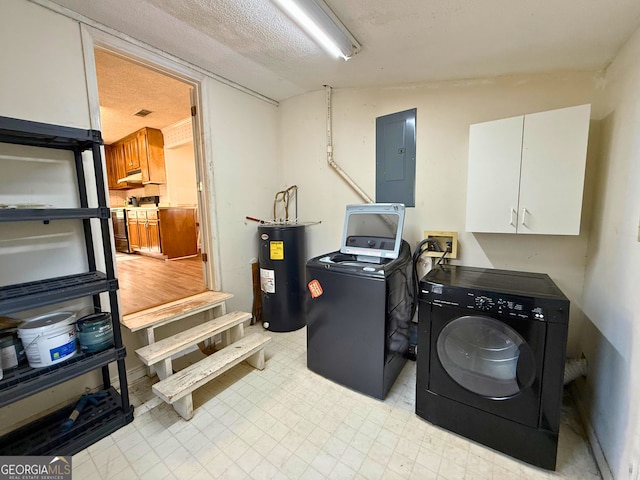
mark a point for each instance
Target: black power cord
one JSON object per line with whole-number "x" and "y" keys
{"x": 417, "y": 254}
{"x": 426, "y": 245}
{"x": 447, "y": 250}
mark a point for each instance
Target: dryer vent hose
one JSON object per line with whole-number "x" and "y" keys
{"x": 574, "y": 368}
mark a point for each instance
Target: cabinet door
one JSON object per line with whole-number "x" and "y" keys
{"x": 151, "y": 148}
{"x": 553, "y": 164}
{"x": 111, "y": 167}
{"x": 144, "y": 230}
{"x": 141, "y": 145}
{"x": 153, "y": 232}
{"x": 118, "y": 156}
{"x": 178, "y": 233}
{"x": 131, "y": 154}
{"x": 134, "y": 233}
{"x": 493, "y": 175}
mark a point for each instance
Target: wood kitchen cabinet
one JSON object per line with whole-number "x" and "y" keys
{"x": 111, "y": 164}
{"x": 178, "y": 232}
{"x": 151, "y": 155}
{"x": 134, "y": 231}
{"x": 526, "y": 173}
{"x": 144, "y": 232}
{"x": 139, "y": 152}
{"x": 166, "y": 232}
{"x": 131, "y": 153}
{"x": 115, "y": 162}
{"x": 153, "y": 232}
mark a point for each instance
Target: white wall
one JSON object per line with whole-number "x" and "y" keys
{"x": 42, "y": 74}
{"x": 611, "y": 338}
{"x": 444, "y": 113}
{"x": 180, "y": 165}
{"x": 244, "y": 173}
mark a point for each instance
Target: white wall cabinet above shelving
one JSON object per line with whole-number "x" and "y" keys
{"x": 526, "y": 173}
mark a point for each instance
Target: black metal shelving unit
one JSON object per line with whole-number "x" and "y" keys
{"x": 113, "y": 411}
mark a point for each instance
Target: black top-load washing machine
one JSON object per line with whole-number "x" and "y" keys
{"x": 491, "y": 352}
{"x": 361, "y": 301}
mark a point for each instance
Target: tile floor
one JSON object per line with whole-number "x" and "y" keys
{"x": 286, "y": 422}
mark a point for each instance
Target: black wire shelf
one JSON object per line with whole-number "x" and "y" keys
{"x": 36, "y": 134}
{"x": 23, "y": 381}
{"x": 25, "y": 296}
{"x": 49, "y": 214}
{"x": 45, "y": 436}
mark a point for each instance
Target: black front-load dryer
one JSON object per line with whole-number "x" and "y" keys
{"x": 491, "y": 351}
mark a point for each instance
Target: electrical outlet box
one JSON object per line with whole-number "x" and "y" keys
{"x": 443, "y": 239}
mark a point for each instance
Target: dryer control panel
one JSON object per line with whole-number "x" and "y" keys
{"x": 496, "y": 304}
{"x": 486, "y": 302}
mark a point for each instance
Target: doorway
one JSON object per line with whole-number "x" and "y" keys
{"x": 160, "y": 248}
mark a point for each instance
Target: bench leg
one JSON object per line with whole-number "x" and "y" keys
{"x": 209, "y": 345}
{"x": 233, "y": 334}
{"x": 257, "y": 359}
{"x": 149, "y": 338}
{"x": 184, "y": 407}
{"x": 164, "y": 368}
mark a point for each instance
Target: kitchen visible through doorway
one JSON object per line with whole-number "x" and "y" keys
{"x": 149, "y": 276}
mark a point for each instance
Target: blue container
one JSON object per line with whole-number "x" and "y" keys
{"x": 95, "y": 332}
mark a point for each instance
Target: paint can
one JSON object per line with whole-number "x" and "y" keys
{"x": 49, "y": 339}
{"x": 11, "y": 350}
{"x": 95, "y": 332}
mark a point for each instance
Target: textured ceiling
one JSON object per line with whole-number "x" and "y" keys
{"x": 404, "y": 41}
{"x": 125, "y": 88}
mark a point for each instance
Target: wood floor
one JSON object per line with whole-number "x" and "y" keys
{"x": 146, "y": 282}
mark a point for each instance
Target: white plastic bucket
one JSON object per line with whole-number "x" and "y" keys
{"x": 49, "y": 339}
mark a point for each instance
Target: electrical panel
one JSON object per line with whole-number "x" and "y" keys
{"x": 396, "y": 158}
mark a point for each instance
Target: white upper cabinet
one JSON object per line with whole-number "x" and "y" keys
{"x": 494, "y": 169}
{"x": 526, "y": 173}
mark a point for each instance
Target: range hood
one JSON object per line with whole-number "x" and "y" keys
{"x": 133, "y": 177}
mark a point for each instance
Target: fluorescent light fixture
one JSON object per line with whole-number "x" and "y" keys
{"x": 318, "y": 20}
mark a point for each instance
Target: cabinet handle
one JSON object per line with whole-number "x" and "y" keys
{"x": 513, "y": 215}
{"x": 524, "y": 217}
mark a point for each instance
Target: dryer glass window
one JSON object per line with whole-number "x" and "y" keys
{"x": 485, "y": 356}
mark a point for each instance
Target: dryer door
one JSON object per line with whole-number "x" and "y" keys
{"x": 488, "y": 363}
{"x": 482, "y": 355}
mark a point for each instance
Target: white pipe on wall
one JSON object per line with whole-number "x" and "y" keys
{"x": 330, "y": 160}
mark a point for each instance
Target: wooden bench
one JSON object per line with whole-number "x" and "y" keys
{"x": 152, "y": 318}
{"x": 158, "y": 355}
{"x": 177, "y": 388}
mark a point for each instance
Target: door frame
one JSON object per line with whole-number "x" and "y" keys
{"x": 164, "y": 64}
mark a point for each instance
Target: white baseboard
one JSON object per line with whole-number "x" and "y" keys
{"x": 133, "y": 374}
{"x": 598, "y": 453}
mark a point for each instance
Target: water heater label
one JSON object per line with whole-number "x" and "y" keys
{"x": 276, "y": 250}
{"x": 267, "y": 280}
